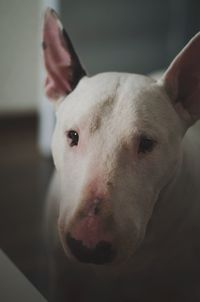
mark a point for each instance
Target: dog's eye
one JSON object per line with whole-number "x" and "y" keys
{"x": 146, "y": 144}
{"x": 73, "y": 137}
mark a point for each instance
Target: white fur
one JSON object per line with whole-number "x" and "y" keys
{"x": 153, "y": 198}
{"x": 119, "y": 101}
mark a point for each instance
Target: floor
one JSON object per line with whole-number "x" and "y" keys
{"x": 24, "y": 177}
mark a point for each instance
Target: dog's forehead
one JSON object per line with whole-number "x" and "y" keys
{"x": 113, "y": 87}
{"x": 115, "y": 97}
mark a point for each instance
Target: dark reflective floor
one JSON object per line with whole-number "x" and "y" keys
{"x": 24, "y": 177}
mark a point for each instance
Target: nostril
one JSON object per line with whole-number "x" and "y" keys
{"x": 102, "y": 253}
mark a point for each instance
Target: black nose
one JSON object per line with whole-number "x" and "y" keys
{"x": 101, "y": 254}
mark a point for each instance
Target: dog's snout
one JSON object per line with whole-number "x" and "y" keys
{"x": 94, "y": 208}
{"x": 90, "y": 237}
{"x": 102, "y": 253}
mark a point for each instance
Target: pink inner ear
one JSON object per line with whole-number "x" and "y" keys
{"x": 182, "y": 79}
{"x": 57, "y": 59}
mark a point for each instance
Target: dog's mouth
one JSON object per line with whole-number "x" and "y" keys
{"x": 102, "y": 253}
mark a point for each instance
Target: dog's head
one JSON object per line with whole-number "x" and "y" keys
{"x": 116, "y": 145}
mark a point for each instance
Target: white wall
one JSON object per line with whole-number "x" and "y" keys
{"x": 19, "y": 55}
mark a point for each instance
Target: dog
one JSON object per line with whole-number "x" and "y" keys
{"x": 123, "y": 212}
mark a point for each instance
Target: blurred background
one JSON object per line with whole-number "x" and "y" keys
{"x": 138, "y": 36}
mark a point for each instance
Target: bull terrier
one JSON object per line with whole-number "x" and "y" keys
{"x": 125, "y": 197}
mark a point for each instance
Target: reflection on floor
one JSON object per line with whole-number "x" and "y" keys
{"x": 24, "y": 177}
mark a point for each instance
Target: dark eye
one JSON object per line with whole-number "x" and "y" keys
{"x": 146, "y": 144}
{"x": 73, "y": 137}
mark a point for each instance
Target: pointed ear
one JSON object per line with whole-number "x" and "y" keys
{"x": 182, "y": 81}
{"x": 62, "y": 64}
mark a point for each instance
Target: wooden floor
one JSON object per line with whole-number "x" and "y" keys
{"x": 24, "y": 177}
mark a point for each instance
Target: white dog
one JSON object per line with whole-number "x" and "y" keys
{"x": 126, "y": 193}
